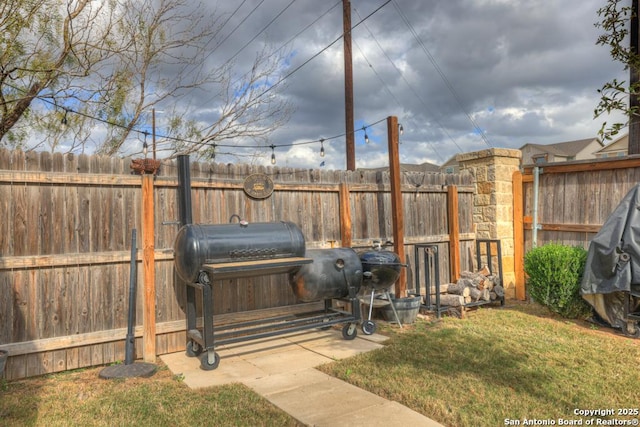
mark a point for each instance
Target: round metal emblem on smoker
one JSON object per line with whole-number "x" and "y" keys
{"x": 258, "y": 186}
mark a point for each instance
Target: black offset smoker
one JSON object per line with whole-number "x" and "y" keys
{"x": 205, "y": 253}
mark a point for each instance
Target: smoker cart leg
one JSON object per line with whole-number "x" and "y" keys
{"x": 193, "y": 347}
{"x": 207, "y": 318}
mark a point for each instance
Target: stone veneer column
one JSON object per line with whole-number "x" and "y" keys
{"x": 493, "y": 202}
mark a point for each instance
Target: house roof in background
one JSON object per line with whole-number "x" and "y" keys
{"x": 566, "y": 149}
{"x": 619, "y": 144}
{"x": 408, "y": 167}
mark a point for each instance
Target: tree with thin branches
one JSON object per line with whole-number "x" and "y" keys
{"x": 84, "y": 76}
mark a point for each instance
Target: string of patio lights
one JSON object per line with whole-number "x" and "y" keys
{"x": 321, "y": 141}
{"x": 145, "y": 147}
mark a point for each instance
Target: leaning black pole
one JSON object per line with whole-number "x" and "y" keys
{"x": 130, "y": 345}
{"x": 130, "y": 369}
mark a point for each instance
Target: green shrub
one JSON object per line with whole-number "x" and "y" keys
{"x": 555, "y": 272}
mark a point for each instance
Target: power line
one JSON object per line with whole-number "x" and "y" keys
{"x": 320, "y": 52}
{"x": 415, "y": 92}
{"x": 260, "y": 32}
{"x": 239, "y": 79}
{"x": 308, "y": 26}
{"x": 237, "y": 26}
{"x": 440, "y": 72}
{"x": 391, "y": 94}
{"x": 220, "y": 29}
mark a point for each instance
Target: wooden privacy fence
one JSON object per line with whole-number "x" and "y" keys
{"x": 574, "y": 201}
{"x": 65, "y": 245}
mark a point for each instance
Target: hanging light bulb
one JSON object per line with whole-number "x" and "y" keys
{"x": 400, "y": 129}
{"x": 366, "y": 137}
{"x": 145, "y": 146}
{"x": 321, "y": 147}
{"x": 273, "y": 154}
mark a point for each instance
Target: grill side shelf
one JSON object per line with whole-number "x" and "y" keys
{"x": 229, "y": 270}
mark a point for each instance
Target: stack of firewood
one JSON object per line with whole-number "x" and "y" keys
{"x": 471, "y": 287}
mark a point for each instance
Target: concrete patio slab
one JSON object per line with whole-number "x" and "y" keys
{"x": 281, "y": 369}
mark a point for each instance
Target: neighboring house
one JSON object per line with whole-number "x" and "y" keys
{"x": 617, "y": 148}
{"x": 451, "y": 165}
{"x": 407, "y": 167}
{"x": 582, "y": 149}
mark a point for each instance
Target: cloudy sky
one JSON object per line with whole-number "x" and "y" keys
{"x": 460, "y": 75}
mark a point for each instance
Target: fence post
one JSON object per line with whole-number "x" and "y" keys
{"x": 454, "y": 232}
{"x": 148, "y": 264}
{"x": 518, "y": 235}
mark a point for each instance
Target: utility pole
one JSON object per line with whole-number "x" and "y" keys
{"x": 348, "y": 86}
{"x": 634, "y": 104}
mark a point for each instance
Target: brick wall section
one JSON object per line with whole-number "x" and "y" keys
{"x": 493, "y": 203}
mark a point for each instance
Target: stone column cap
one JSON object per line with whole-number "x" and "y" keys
{"x": 491, "y": 152}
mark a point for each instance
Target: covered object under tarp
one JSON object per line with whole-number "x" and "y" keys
{"x": 611, "y": 279}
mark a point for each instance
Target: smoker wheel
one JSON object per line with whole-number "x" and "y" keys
{"x": 325, "y": 328}
{"x": 349, "y": 331}
{"x": 193, "y": 349}
{"x": 368, "y": 327}
{"x": 633, "y": 332}
{"x": 208, "y": 364}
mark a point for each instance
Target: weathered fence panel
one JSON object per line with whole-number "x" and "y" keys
{"x": 575, "y": 198}
{"x": 65, "y": 245}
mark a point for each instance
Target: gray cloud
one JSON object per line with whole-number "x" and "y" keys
{"x": 525, "y": 71}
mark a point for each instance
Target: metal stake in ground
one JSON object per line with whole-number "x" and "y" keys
{"x": 130, "y": 369}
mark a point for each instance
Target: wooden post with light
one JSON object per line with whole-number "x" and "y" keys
{"x": 148, "y": 168}
{"x": 396, "y": 202}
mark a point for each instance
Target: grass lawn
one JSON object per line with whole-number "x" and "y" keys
{"x": 81, "y": 398}
{"x": 498, "y": 366}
